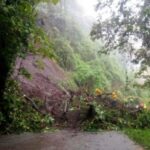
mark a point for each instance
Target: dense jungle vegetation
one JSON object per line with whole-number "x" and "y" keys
{"x": 52, "y": 29}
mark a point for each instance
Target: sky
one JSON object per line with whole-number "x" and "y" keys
{"x": 88, "y": 7}
{"x": 89, "y": 10}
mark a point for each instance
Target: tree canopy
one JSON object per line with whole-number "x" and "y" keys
{"x": 126, "y": 27}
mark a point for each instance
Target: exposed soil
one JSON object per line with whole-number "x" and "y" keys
{"x": 46, "y": 75}
{"x": 45, "y": 82}
{"x": 68, "y": 140}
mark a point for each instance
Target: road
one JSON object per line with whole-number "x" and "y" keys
{"x": 68, "y": 140}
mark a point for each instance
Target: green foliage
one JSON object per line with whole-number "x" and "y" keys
{"x": 68, "y": 84}
{"x": 107, "y": 118}
{"x": 55, "y": 1}
{"x": 93, "y": 74}
{"x": 25, "y": 73}
{"x": 39, "y": 64}
{"x": 140, "y": 136}
{"x": 143, "y": 120}
{"x": 84, "y": 75}
{"x": 39, "y": 43}
{"x": 137, "y": 90}
{"x": 19, "y": 116}
{"x": 74, "y": 51}
{"x": 1, "y": 117}
{"x": 104, "y": 119}
{"x": 17, "y": 22}
{"x": 64, "y": 53}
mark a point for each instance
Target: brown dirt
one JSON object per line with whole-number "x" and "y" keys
{"x": 68, "y": 140}
{"x": 44, "y": 82}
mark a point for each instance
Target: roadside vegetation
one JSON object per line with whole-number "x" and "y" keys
{"x": 141, "y": 136}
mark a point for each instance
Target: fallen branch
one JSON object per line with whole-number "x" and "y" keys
{"x": 34, "y": 105}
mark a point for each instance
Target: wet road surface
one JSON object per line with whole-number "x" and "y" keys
{"x": 68, "y": 140}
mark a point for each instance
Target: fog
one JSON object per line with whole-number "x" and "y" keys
{"x": 88, "y": 7}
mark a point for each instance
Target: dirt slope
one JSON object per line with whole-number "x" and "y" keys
{"x": 44, "y": 79}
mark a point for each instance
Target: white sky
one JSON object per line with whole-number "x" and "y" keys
{"x": 88, "y": 7}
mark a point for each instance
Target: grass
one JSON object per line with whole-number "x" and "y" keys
{"x": 141, "y": 136}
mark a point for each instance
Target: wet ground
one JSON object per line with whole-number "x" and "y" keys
{"x": 68, "y": 140}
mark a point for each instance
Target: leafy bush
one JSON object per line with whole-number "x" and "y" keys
{"x": 107, "y": 118}
{"x": 84, "y": 75}
{"x": 64, "y": 53}
{"x": 143, "y": 120}
{"x": 17, "y": 115}
{"x": 98, "y": 73}
{"x": 103, "y": 119}
{"x": 39, "y": 43}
